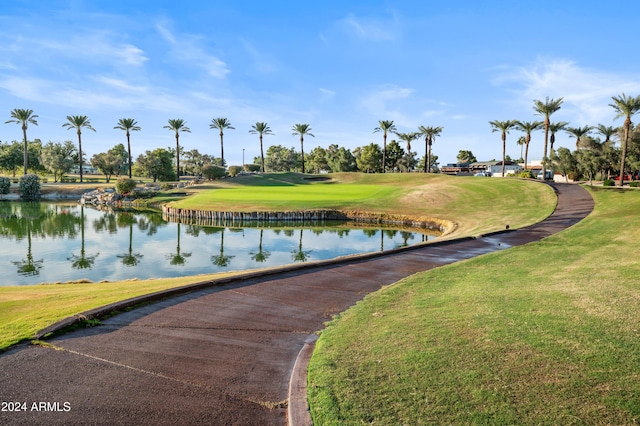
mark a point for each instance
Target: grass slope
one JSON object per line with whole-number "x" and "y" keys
{"x": 546, "y": 333}
{"x": 476, "y": 205}
{"x": 471, "y": 202}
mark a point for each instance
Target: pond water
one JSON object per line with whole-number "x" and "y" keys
{"x": 59, "y": 242}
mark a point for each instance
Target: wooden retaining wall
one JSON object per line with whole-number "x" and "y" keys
{"x": 240, "y": 219}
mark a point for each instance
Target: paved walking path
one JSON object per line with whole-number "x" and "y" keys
{"x": 221, "y": 355}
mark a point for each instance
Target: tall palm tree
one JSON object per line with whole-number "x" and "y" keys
{"x": 221, "y": 124}
{"x": 429, "y": 134}
{"x": 527, "y": 127}
{"x": 408, "y": 138}
{"x": 23, "y": 117}
{"x": 261, "y": 129}
{"x": 579, "y": 133}
{"x": 503, "y": 127}
{"x": 128, "y": 125}
{"x": 625, "y": 106}
{"x": 177, "y": 125}
{"x": 553, "y": 129}
{"x": 302, "y": 129}
{"x": 546, "y": 109}
{"x": 78, "y": 122}
{"x": 384, "y": 126}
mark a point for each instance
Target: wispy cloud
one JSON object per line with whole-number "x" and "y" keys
{"x": 188, "y": 50}
{"x": 387, "y": 28}
{"x": 587, "y": 93}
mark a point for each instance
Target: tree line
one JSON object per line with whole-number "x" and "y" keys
{"x": 591, "y": 155}
{"x": 164, "y": 164}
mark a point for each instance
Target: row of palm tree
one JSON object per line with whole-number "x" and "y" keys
{"x": 24, "y": 117}
{"x": 624, "y": 106}
{"x": 429, "y": 133}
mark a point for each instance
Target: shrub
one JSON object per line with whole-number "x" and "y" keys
{"x": 634, "y": 184}
{"x": 608, "y": 182}
{"x": 30, "y": 187}
{"x": 526, "y": 174}
{"x": 124, "y": 185}
{"x": 166, "y": 186}
{"x": 234, "y": 170}
{"x": 574, "y": 176}
{"x": 5, "y": 185}
{"x": 211, "y": 172}
{"x": 252, "y": 167}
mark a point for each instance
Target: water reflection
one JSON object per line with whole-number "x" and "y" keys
{"x": 82, "y": 261}
{"x": 49, "y": 242}
{"x": 178, "y": 258}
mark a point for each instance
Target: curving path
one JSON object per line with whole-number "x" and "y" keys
{"x": 223, "y": 354}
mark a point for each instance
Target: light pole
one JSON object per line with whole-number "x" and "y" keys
{"x": 242, "y": 158}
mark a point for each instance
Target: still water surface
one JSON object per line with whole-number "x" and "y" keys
{"x": 59, "y": 242}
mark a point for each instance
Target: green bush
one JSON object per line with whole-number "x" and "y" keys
{"x": 166, "y": 186}
{"x": 30, "y": 187}
{"x": 608, "y": 182}
{"x": 211, "y": 172}
{"x": 574, "y": 176}
{"x": 234, "y": 170}
{"x": 252, "y": 168}
{"x": 526, "y": 174}
{"x": 5, "y": 185}
{"x": 634, "y": 184}
{"x": 124, "y": 185}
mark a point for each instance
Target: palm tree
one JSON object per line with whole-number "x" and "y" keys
{"x": 23, "y": 117}
{"x": 261, "y": 129}
{"x": 177, "y": 125}
{"x": 527, "y": 127}
{"x": 579, "y": 133}
{"x": 553, "y": 129}
{"x": 385, "y": 126}
{"x": 408, "y": 138}
{"x": 78, "y": 122}
{"x": 503, "y": 127}
{"x": 302, "y": 129}
{"x": 607, "y": 131}
{"x": 429, "y": 134}
{"x": 221, "y": 124}
{"x": 545, "y": 109}
{"x": 625, "y": 106}
{"x": 128, "y": 125}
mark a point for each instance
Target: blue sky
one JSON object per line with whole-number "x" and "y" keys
{"x": 339, "y": 66}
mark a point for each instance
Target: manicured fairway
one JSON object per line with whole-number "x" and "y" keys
{"x": 546, "y": 333}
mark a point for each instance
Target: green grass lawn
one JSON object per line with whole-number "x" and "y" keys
{"x": 547, "y": 333}
{"x": 470, "y": 202}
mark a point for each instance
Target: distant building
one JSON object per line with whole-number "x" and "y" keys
{"x": 489, "y": 168}
{"x": 86, "y": 170}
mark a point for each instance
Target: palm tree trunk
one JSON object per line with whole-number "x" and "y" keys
{"x": 302, "y": 151}
{"x": 221, "y": 150}
{"x": 623, "y": 156}
{"x": 546, "y": 139}
{"x": 178, "y": 155}
{"x": 504, "y": 150}
{"x": 384, "y": 152}
{"x": 80, "y": 153}
{"x": 26, "y": 147}
{"x": 129, "y": 152}
{"x": 261, "y": 154}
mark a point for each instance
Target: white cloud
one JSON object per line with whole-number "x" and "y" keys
{"x": 587, "y": 93}
{"x": 371, "y": 29}
{"x": 186, "y": 48}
